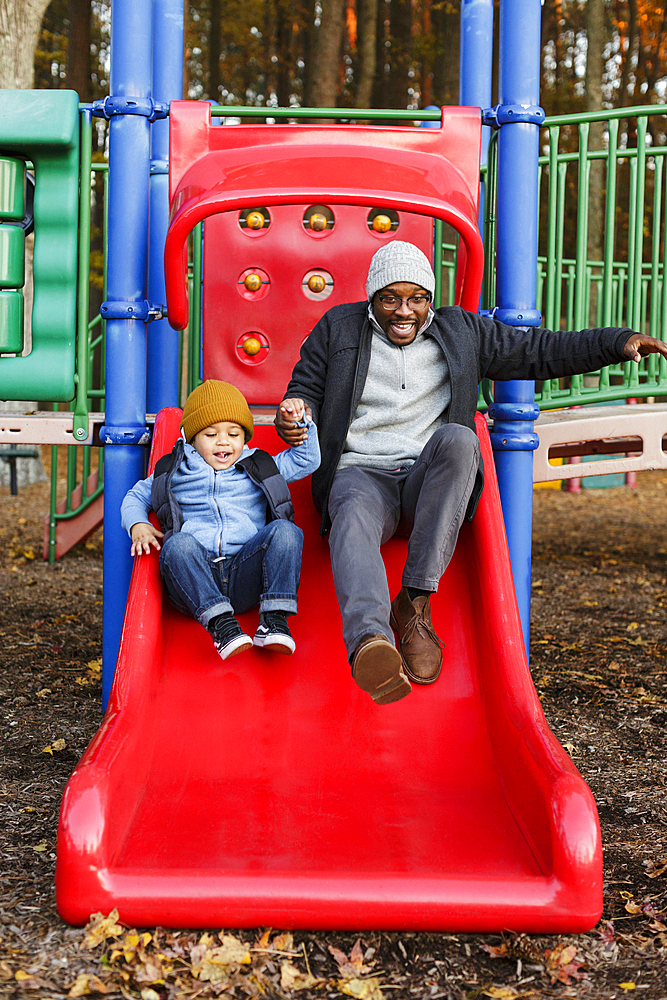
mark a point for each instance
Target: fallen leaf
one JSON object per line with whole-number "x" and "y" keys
{"x": 363, "y": 989}
{"x": 233, "y": 951}
{"x": 283, "y": 942}
{"x": 561, "y": 966}
{"x": 352, "y": 967}
{"x": 501, "y": 993}
{"x": 99, "y": 928}
{"x": 656, "y": 868}
{"x": 263, "y": 942}
{"x": 632, "y": 907}
{"x": 292, "y": 978}
{"x": 495, "y": 951}
{"x": 85, "y": 984}
{"x": 628, "y": 986}
{"x": 41, "y": 847}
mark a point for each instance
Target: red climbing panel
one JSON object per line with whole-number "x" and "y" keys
{"x": 241, "y": 169}
{"x": 269, "y": 790}
{"x": 285, "y": 258}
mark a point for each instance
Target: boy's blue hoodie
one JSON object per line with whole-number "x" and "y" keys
{"x": 222, "y": 509}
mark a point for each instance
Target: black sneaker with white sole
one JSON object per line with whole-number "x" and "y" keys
{"x": 273, "y": 633}
{"x": 228, "y": 636}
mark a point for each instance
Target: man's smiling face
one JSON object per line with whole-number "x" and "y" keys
{"x": 399, "y": 318}
{"x": 220, "y": 444}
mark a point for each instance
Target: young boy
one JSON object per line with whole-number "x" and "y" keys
{"x": 229, "y": 538}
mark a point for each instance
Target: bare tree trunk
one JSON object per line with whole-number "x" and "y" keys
{"x": 283, "y": 51}
{"x": 20, "y": 21}
{"x": 78, "y": 49}
{"x": 380, "y": 98}
{"x": 367, "y": 12}
{"x": 445, "y": 17}
{"x": 325, "y": 84}
{"x": 427, "y": 61}
{"x": 214, "y": 52}
{"x": 401, "y": 52}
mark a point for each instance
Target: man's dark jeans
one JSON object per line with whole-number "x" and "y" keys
{"x": 265, "y": 570}
{"x": 368, "y": 506}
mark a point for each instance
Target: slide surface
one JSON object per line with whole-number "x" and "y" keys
{"x": 270, "y": 791}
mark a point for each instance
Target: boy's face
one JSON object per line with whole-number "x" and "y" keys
{"x": 220, "y": 445}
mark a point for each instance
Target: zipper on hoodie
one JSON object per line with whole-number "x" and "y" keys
{"x": 217, "y": 507}
{"x": 402, "y": 366}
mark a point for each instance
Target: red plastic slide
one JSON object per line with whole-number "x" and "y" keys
{"x": 269, "y": 790}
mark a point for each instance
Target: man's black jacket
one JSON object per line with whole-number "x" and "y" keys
{"x": 331, "y": 373}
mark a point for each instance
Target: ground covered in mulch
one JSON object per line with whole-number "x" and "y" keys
{"x": 599, "y": 660}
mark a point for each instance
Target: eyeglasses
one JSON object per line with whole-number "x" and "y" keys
{"x": 414, "y": 302}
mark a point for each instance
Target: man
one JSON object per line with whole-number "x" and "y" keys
{"x": 392, "y": 385}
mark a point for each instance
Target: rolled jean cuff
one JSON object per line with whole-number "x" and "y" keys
{"x": 421, "y": 583}
{"x": 278, "y": 602}
{"x": 221, "y": 608}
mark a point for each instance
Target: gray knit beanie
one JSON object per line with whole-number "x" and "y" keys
{"x": 399, "y": 261}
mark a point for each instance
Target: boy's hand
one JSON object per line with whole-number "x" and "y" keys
{"x": 639, "y": 344}
{"x": 288, "y": 414}
{"x": 143, "y": 536}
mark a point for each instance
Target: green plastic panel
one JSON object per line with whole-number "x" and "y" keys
{"x": 43, "y": 127}
{"x": 12, "y": 257}
{"x": 12, "y": 188}
{"x": 11, "y": 323}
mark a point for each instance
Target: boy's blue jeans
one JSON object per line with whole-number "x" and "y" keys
{"x": 265, "y": 570}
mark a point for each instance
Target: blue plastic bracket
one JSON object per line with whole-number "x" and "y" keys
{"x": 504, "y": 114}
{"x": 514, "y": 411}
{"x": 137, "y": 434}
{"x": 145, "y": 310}
{"x": 146, "y": 106}
{"x": 513, "y": 441}
{"x": 515, "y": 317}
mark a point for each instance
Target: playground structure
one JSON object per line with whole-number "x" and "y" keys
{"x": 537, "y": 865}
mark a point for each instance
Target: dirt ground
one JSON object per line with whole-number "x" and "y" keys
{"x": 599, "y": 660}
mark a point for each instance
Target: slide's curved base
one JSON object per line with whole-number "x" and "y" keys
{"x": 270, "y": 790}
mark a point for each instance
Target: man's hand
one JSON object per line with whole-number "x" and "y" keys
{"x": 288, "y": 413}
{"x": 639, "y": 345}
{"x": 143, "y": 536}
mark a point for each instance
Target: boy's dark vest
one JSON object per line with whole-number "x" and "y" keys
{"x": 259, "y": 466}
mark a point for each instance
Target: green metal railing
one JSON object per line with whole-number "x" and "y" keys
{"x": 625, "y": 286}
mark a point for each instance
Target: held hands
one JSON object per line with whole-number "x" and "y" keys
{"x": 638, "y": 345}
{"x": 288, "y": 414}
{"x": 143, "y": 536}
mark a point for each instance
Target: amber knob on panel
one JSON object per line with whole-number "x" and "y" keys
{"x": 255, "y": 220}
{"x": 251, "y": 346}
{"x": 316, "y": 283}
{"x": 253, "y": 282}
{"x": 381, "y": 223}
{"x": 318, "y": 222}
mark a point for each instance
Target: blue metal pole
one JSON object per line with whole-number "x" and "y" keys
{"x": 125, "y": 407}
{"x": 163, "y": 342}
{"x": 514, "y": 409}
{"x": 476, "y": 66}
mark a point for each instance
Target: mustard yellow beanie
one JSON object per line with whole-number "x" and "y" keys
{"x": 213, "y": 402}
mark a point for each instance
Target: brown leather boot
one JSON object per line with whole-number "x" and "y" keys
{"x": 421, "y": 649}
{"x": 377, "y": 669}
